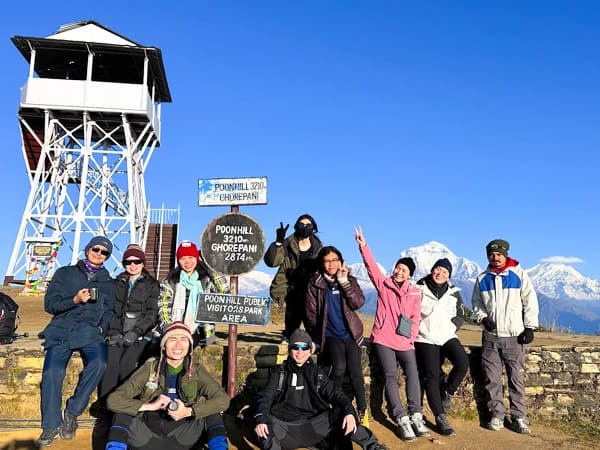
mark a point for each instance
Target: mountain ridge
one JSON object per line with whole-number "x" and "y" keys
{"x": 568, "y": 300}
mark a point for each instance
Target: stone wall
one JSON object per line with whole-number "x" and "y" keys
{"x": 561, "y": 381}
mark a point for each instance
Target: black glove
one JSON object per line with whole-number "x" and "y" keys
{"x": 115, "y": 339}
{"x": 281, "y": 232}
{"x": 489, "y": 324}
{"x": 129, "y": 338}
{"x": 526, "y": 337}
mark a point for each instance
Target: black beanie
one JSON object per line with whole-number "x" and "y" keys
{"x": 408, "y": 262}
{"x": 445, "y": 263}
{"x": 498, "y": 245}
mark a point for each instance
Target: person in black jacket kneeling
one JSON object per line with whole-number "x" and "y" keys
{"x": 301, "y": 406}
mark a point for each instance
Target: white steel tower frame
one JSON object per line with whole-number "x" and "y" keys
{"x": 90, "y": 120}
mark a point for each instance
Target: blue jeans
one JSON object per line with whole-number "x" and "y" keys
{"x": 55, "y": 366}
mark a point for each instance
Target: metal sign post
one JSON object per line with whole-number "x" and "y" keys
{"x": 232, "y": 244}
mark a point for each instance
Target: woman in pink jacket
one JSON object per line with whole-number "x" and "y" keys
{"x": 394, "y": 331}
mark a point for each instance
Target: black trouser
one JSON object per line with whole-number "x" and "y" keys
{"x": 346, "y": 354}
{"x": 135, "y": 432}
{"x": 430, "y": 358}
{"x": 294, "y": 315}
{"x": 121, "y": 361}
{"x": 303, "y": 433}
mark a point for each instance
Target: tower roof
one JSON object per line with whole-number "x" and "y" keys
{"x": 90, "y": 36}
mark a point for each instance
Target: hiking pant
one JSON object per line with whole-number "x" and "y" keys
{"x": 346, "y": 354}
{"x": 388, "y": 360}
{"x": 134, "y": 432}
{"x": 430, "y": 358}
{"x": 304, "y": 433}
{"x": 496, "y": 352}
{"x": 55, "y": 365}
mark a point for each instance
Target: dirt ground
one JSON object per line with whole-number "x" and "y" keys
{"x": 470, "y": 435}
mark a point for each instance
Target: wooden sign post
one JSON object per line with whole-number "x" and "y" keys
{"x": 233, "y": 244}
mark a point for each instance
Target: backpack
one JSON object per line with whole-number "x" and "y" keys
{"x": 8, "y": 319}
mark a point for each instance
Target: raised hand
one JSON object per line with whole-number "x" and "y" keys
{"x": 359, "y": 236}
{"x": 281, "y": 232}
{"x": 342, "y": 274}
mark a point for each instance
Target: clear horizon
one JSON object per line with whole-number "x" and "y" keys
{"x": 456, "y": 122}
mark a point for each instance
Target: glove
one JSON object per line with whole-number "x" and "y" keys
{"x": 281, "y": 232}
{"x": 342, "y": 275}
{"x": 489, "y": 324}
{"x": 115, "y": 339}
{"x": 129, "y": 338}
{"x": 526, "y": 337}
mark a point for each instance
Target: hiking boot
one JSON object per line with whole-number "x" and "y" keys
{"x": 69, "y": 425}
{"x": 47, "y": 438}
{"x": 444, "y": 428}
{"x": 496, "y": 424}
{"x": 447, "y": 401}
{"x": 418, "y": 424}
{"x": 520, "y": 425}
{"x": 405, "y": 429}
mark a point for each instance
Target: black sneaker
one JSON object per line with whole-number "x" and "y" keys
{"x": 443, "y": 426}
{"x": 69, "y": 426}
{"x": 47, "y": 438}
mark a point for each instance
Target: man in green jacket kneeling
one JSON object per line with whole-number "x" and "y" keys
{"x": 169, "y": 402}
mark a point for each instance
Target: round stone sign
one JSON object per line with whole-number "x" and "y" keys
{"x": 233, "y": 244}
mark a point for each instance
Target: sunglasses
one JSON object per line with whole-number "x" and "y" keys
{"x": 99, "y": 250}
{"x": 299, "y": 346}
{"x": 127, "y": 262}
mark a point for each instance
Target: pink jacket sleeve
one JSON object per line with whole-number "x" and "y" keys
{"x": 372, "y": 268}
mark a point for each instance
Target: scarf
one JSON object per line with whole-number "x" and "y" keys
{"x": 180, "y": 309}
{"x": 436, "y": 289}
{"x": 90, "y": 268}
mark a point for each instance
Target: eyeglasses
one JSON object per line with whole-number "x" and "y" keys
{"x": 127, "y": 262}
{"x": 330, "y": 261}
{"x": 99, "y": 250}
{"x": 299, "y": 346}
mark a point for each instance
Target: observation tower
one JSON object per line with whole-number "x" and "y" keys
{"x": 90, "y": 119}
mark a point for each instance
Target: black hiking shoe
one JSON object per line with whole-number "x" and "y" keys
{"x": 69, "y": 425}
{"x": 443, "y": 426}
{"x": 47, "y": 438}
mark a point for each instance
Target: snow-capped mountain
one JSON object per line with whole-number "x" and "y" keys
{"x": 560, "y": 280}
{"x": 255, "y": 283}
{"x": 568, "y": 300}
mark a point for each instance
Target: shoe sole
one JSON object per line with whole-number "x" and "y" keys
{"x": 66, "y": 437}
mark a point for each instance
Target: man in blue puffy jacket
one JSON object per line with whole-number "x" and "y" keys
{"x": 80, "y": 298}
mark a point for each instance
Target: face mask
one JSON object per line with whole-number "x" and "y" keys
{"x": 303, "y": 230}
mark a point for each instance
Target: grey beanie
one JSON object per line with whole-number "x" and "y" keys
{"x": 300, "y": 336}
{"x": 99, "y": 240}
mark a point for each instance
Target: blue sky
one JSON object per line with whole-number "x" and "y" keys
{"x": 454, "y": 121}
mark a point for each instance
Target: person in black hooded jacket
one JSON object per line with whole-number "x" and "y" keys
{"x": 300, "y": 406}
{"x": 296, "y": 259}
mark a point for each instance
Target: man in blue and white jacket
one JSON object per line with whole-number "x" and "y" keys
{"x": 506, "y": 305}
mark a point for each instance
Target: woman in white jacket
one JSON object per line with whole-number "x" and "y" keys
{"x": 442, "y": 314}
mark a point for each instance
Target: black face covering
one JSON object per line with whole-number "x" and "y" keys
{"x": 303, "y": 230}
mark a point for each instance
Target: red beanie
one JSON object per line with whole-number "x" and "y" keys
{"x": 187, "y": 248}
